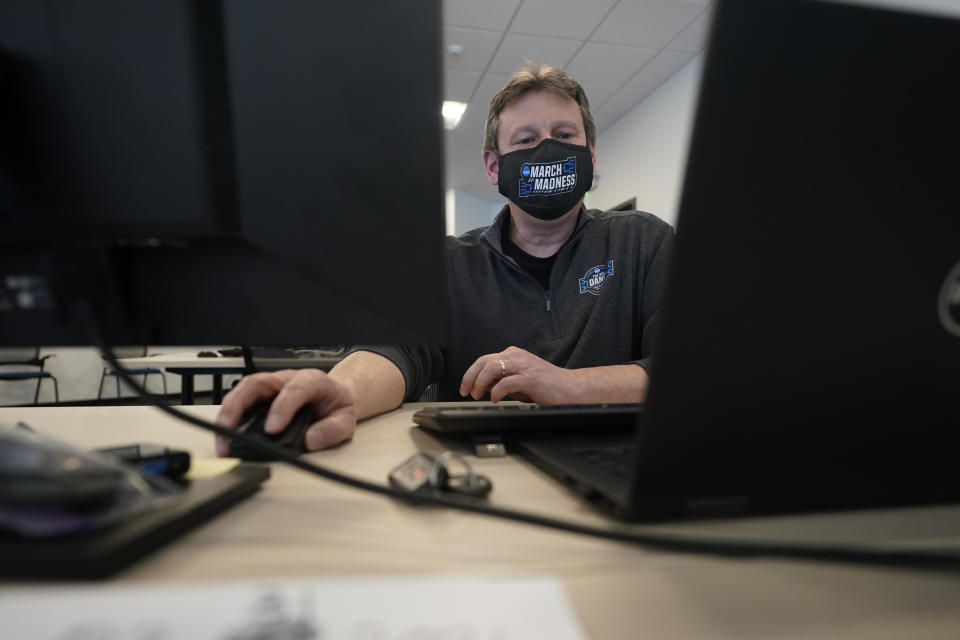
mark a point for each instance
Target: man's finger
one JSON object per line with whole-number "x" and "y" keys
{"x": 508, "y": 386}
{"x": 487, "y": 377}
{"x": 331, "y": 430}
{"x": 251, "y": 390}
{"x": 470, "y": 377}
{"x": 305, "y": 386}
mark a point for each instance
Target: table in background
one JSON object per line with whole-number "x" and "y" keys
{"x": 188, "y": 365}
{"x": 300, "y": 525}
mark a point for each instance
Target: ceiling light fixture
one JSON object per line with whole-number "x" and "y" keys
{"x": 452, "y": 112}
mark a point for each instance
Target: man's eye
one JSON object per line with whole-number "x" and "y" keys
{"x": 564, "y": 136}
{"x": 525, "y": 141}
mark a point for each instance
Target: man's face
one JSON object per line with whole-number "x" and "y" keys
{"x": 531, "y": 118}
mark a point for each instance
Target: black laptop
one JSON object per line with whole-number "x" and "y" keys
{"x": 809, "y": 354}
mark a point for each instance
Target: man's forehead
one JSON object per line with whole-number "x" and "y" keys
{"x": 536, "y": 109}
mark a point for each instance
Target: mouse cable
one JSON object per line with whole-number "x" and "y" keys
{"x": 859, "y": 554}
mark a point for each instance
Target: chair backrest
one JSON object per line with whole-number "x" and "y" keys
{"x": 20, "y": 355}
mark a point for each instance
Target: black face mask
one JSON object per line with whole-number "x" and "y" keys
{"x": 547, "y": 180}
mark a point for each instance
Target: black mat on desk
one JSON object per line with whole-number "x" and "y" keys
{"x": 101, "y": 553}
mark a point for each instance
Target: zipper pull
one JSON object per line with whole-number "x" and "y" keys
{"x": 548, "y": 300}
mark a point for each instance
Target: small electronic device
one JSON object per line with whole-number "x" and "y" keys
{"x": 425, "y": 473}
{"x": 153, "y": 458}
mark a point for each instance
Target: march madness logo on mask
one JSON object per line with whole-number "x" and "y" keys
{"x": 548, "y": 178}
{"x": 593, "y": 280}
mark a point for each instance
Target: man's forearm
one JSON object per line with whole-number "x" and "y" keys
{"x": 375, "y": 382}
{"x": 615, "y": 383}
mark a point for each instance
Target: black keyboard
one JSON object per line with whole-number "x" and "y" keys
{"x": 515, "y": 418}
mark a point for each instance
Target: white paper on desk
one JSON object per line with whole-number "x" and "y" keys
{"x": 414, "y": 608}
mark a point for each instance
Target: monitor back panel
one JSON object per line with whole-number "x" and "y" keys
{"x": 184, "y": 166}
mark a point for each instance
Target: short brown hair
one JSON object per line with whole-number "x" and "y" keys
{"x": 536, "y": 76}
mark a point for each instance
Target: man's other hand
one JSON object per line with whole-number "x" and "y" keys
{"x": 519, "y": 374}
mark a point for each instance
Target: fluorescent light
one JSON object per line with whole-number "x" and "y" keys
{"x": 452, "y": 112}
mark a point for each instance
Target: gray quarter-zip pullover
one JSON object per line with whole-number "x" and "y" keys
{"x": 605, "y": 289}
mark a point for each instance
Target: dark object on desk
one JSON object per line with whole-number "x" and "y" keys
{"x": 101, "y": 553}
{"x": 208, "y": 354}
{"x": 260, "y": 352}
{"x": 426, "y": 473}
{"x": 598, "y": 466}
{"x": 152, "y": 458}
{"x": 38, "y": 473}
{"x": 51, "y": 489}
{"x": 291, "y": 438}
{"x": 507, "y": 419}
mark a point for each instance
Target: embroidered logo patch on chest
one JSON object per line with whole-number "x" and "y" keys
{"x": 593, "y": 280}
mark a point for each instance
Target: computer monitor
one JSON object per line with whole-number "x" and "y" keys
{"x": 207, "y": 172}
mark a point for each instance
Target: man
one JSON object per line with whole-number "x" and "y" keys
{"x": 551, "y": 304}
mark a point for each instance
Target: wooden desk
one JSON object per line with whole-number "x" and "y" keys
{"x": 188, "y": 365}
{"x": 299, "y": 525}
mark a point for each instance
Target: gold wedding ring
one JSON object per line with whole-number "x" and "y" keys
{"x": 503, "y": 368}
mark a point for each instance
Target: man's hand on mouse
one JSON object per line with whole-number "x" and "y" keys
{"x": 332, "y": 404}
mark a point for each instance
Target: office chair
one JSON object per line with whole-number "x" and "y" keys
{"x": 131, "y": 352}
{"x": 27, "y": 357}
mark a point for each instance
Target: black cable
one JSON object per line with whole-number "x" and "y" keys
{"x": 661, "y": 542}
{"x": 248, "y": 367}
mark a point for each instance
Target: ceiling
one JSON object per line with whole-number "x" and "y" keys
{"x": 619, "y": 50}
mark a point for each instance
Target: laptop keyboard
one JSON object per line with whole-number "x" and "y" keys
{"x": 616, "y": 460}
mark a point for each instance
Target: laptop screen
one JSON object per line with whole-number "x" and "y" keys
{"x": 809, "y": 354}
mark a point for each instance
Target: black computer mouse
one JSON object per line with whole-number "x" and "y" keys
{"x": 291, "y": 438}
{"x": 208, "y": 354}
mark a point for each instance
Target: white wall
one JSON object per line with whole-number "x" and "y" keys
{"x": 642, "y": 155}
{"x": 466, "y": 212}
